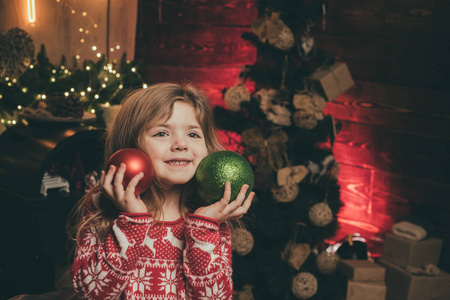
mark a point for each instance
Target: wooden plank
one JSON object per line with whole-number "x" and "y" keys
{"x": 417, "y": 111}
{"x": 213, "y": 80}
{"x": 194, "y": 45}
{"x": 389, "y": 151}
{"x": 211, "y": 12}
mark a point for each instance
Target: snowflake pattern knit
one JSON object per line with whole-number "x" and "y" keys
{"x": 182, "y": 259}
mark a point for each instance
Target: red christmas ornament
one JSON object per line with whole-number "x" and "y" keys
{"x": 136, "y": 162}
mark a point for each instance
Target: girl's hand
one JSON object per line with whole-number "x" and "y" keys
{"x": 223, "y": 210}
{"x": 111, "y": 186}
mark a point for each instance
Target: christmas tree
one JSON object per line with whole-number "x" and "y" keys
{"x": 281, "y": 253}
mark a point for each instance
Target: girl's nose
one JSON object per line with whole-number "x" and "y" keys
{"x": 179, "y": 144}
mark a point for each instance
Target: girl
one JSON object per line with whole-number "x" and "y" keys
{"x": 153, "y": 246}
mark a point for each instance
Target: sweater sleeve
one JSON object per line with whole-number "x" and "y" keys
{"x": 101, "y": 270}
{"x": 207, "y": 259}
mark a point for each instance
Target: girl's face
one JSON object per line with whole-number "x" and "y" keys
{"x": 176, "y": 146}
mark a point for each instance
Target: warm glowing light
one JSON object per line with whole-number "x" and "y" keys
{"x": 84, "y": 14}
{"x": 96, "y": 96}
{"x": 99, "y": 55}
{"x": 83, "y": 94}
{"x": 103, "y": 85}
{"x": 54, "y": 71}
{"x": 7, "y": 78}
{"x": 144, "y": 86}
{"x": 95, "y": 25}
{"x": 43, "y": 96}
{"x": 111, "y": 49}
{"x": 106, "y": 78}
{"x": 87, "y": 31}
{"x": 62, "y": 67}
{"x": 89, "y": 89}
{"x": 121, "y": 86}
{"x": 82, "y": 40}
{"x": 52, "y": 79}
{"x": 133, "y": 69}
{"x": 31, "y": 66}
{"x": 77, "y": 56}
{"x": 14, "y": 122}
{"x": 9, "y": 84}
{"x": 19, "y": 107}
{"x": 31, "y": 11}
{"x": 66, "y": 94}
{"x": 80, "y": 30}
{"x": 118, "y": 47}
{"x": 72, "y": 90}
{"x": 88, "y": 68}
{"x": 14, "y": 80}
{"x": 117, "y": 75}
{"x": 93, "y": 111}
{"x": 73, "y": 11}
{"x": 24, "y": 90}
{"x": 94, "y": 48}
{"x": 1, "y": 96}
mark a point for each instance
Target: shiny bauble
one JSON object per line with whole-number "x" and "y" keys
{"x": 136, "y": 161}
{"x": 218, "y": 168}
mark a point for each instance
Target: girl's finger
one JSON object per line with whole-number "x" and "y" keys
{"x": 118, "y": 179}
{"x": 131, "y": 187}
{"x": 240, "y": 198}
{"x": 242, "y": 210}
{"x": 109, "y": 175}
{"x": 226, "y": 195}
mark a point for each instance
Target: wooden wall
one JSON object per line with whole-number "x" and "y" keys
{"x": 394, "y": 140}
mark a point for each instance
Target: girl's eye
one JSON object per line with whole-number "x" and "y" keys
{"x": 160, "y": 134}
{"x": 194, "y": 135}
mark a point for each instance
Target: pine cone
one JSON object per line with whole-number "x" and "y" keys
{"x": 61, "y": 106}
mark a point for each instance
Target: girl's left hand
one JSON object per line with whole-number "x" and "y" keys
{"x": 223, "y": 210}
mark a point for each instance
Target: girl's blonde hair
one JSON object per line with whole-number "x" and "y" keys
{"x": 141, "y": 110}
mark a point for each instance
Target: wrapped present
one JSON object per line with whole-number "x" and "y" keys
{"x": 405, "y": 252}
{"x": 357, "y": 290}
{"x": 333, "y": 80}
{"x": 400, "y": 284}
{"x": 361, "y": 270}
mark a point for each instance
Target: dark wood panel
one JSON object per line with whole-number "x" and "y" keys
{"x": 392, "y": 61}
{"x": 213, "y": 12}
{"x": 417, "y": 111}
{"x": 213, "y": 80}
{"x": 389, "y": 151}
{"x": 194, "y": 45}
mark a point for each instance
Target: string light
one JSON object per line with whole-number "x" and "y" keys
{"x": 31, "y": 7}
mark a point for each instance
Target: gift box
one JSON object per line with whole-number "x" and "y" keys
{"x": 366, "y": 290}
{"x": 333, "y": 80}
{"x": 401, "y": 284}
{"x": 405, "y": 252}
{"x": 361, "y": 270}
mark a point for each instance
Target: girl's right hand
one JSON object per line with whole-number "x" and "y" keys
{"x": 125, "y": 200}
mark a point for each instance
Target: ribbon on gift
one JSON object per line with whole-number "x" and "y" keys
{"x": 291, "y": 175}
{"x": 272, "y": 150}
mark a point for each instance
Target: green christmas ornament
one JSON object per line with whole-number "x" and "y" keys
{"x": 221, "y": 167}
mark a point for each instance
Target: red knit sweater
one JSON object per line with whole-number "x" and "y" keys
{"x": 182, "y": 259}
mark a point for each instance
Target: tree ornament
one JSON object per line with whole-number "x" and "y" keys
{"x": 309, "y": 107}
{"x": 235, "y": 95}
{"x": 242, "y": 241}
{"x": 320, "y": 214}
{"x": 265, "y": 98}
{"x": 304, "y": 285}
{"x": 136, "y": 161}
{"x": 16, "y": 53}
{"x": 327, "y": 262}
{"x": 270, "y": 152}
{"x": 296, "y": 254}
{"x": 220, "y": 167}
{"x": 305, "y": 120}
{"x": 285, "y": 193}
{"x": 279, "y": 115}
{"x": 271, "y": 29}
